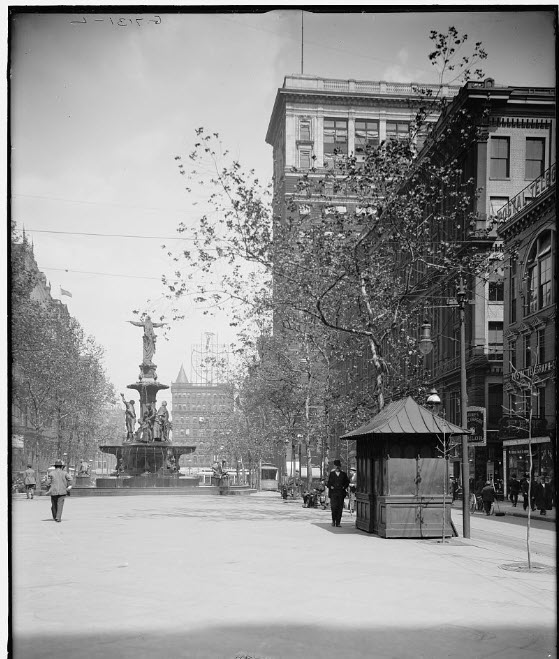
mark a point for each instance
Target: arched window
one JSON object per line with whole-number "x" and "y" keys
{"x": 539, "y": 273}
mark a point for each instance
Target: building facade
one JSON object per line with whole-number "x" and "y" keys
{"x": 529, "y": 232}
{"x": 314, "y": 122}
{"x": 315, "y": 119}
{"x": 28, "y": 435}
{"x": 514, "y": 145}
{"x": 196, "y": 412}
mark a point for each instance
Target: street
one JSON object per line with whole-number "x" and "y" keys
{"x": 229, "y": 577}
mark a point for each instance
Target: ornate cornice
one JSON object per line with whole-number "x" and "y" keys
{"x": 519, "y": 122}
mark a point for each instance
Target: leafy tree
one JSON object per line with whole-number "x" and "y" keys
{"x": 57, "y": 374}
{"x": 521, "y": 420}
{"x": 358, "y": 243}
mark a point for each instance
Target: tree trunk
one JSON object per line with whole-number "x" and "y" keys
{"x": 309, "y": 465}
{"x": 531, "y": 466}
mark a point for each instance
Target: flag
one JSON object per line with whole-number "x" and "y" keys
{"x": 63, "y": 292}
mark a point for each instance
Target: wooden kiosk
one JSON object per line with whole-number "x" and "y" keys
{"x": 402, "y": 474}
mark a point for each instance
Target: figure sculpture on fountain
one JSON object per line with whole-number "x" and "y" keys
{"x": 130, "y": 417}
{"x": 161, "y": 424}
{"x": 149, "y": 338}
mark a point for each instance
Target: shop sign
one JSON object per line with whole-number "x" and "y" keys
{"x": 511, "y": 427}
{"x": 517, "y": 451}
{"x": 477, "y": 426}
{"x": 526, "y": 196}
{"x": 530, "y": 372}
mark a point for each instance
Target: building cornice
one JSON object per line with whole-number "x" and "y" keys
{"x": 526, "y": 216}
{"x": 351, "y": 92}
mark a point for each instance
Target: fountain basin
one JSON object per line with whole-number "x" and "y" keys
{"x": 149, "y": 460}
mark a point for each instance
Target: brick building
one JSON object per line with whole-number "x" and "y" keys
{"x": 529, "y": 233}
{"x": 196, "y": 410}
{"x": 515, "y": 143}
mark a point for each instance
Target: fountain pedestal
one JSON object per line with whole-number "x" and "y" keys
{"x": 154, "y": 459}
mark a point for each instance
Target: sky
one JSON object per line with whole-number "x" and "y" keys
{"x": 98, "y": 111}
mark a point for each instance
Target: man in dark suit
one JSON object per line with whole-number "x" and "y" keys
{"x": 338, "y": 482}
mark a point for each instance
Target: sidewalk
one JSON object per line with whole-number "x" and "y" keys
{"x": 210, "y": 577}
{"x": 518, "y": 511}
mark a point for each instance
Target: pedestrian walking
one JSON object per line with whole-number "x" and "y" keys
{"x": 30, "y": 481}
{"x": 59, "y": 484}
{"x": 453, "y": 488}
{"x": 488, "y": 497}
{"x": 514, "y": 489}
{"x": 338, "y": 483}
{"x": 543, "y": 496}
{"x": 527, "y": 494}
{"x": 352, "y": 489}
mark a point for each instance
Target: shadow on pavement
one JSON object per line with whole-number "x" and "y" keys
{"x": 294, "y": 642}
{"x": 347, "y": 527}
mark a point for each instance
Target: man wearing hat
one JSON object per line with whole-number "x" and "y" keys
{"x": 488, "y": 497}
{"x": 59, "y": 483}
{"x": 29, "y": 481}
{"x": 338, "y": 483}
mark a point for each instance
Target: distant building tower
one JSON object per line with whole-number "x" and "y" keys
{"x": 209, "y": 360}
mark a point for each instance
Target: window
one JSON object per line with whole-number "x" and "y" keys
{"x": 305, "y": 159}
{"x": 512, "y": 292}
{"x": 495, "y": 340}
{"x": 541, "y": 403}
{"x": 494, "y": 402}
{"x": 527, "y": 351}
{"x": 541, "y": 346}
{"x": 335, "y": 136}
{"x": 512, "y": 353}
{"x": 496, "y": 291}
{"x": 397, "y": 130}
{"x": 539, "y": 273}
{"x": 305, "y": 130}
{"x": 500, "y": 157}
{"x": 366, "y": 135}
{"x": 496, "y": 203}
{"x": 535, "y": 158}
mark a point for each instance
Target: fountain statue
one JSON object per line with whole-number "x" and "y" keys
{"x": 147, "y": 456}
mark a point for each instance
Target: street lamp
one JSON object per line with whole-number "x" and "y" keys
{"x": 425, "y": 346}
{"x": 434, "y": 401}
{"x": 425, "y": 342}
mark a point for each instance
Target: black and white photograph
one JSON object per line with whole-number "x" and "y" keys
{"x": 281, "y": 331}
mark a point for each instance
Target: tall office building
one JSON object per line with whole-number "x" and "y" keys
{"x": 314, "y": 121}
{"x": 197, "y": 410}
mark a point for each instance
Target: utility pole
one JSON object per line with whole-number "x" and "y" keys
{"x": 461, "y": 298}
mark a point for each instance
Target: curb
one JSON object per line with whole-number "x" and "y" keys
{"x": 539, "y": 518}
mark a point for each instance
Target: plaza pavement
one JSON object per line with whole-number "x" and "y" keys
{"x": 211, "y": 577}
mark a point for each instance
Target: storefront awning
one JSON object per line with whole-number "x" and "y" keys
{"x": 406, "y": 417}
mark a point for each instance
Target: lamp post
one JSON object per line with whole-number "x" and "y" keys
{"x": 299, "y": 439}
{"x": 461, "y": 299}
{"x": 425, "y": 346}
